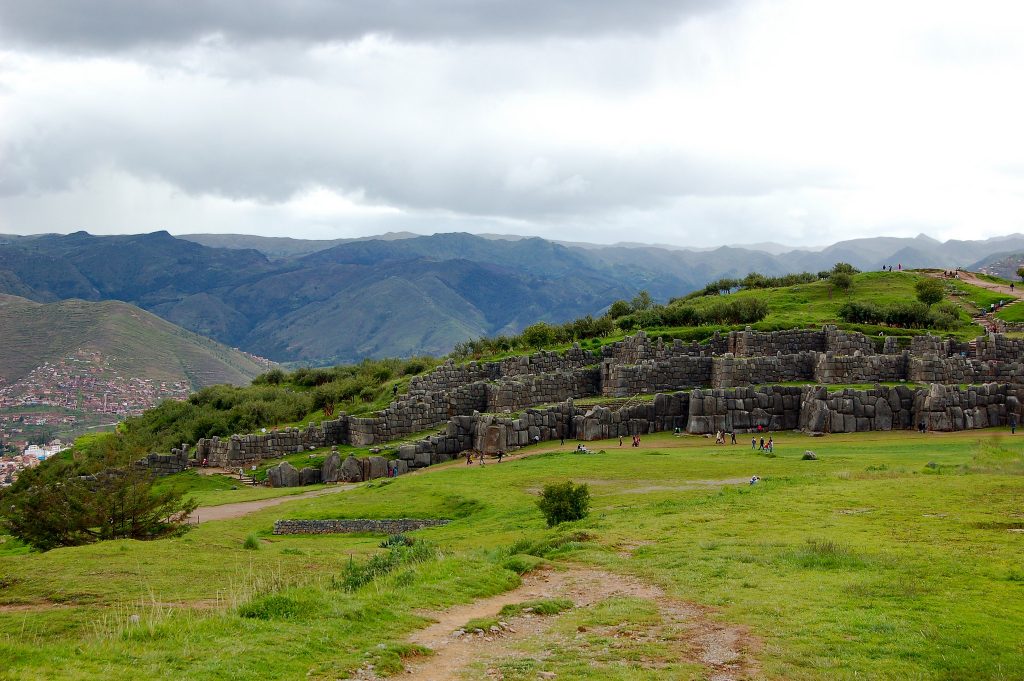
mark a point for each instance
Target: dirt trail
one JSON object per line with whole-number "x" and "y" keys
{"x": 726, "y": 651}
{"x": 243, "y": 508}
{"x": 974, "y": 280}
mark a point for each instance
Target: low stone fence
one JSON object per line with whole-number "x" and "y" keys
{"x": 164, "y": 464}
{"x": 370, "y": 526}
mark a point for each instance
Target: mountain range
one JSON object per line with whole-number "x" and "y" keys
{"x": 400, "y": 294}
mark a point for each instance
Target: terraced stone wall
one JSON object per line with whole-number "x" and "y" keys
{"x": 729, "y": 371}
{"x": 831, "y": 368}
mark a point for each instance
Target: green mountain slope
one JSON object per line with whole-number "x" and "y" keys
{"x": 138, "y": 343}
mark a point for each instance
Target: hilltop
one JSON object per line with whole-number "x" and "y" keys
{"x": 132, "y": 341}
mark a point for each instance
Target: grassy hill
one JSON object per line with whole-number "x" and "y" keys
{"x": 134, "y": 341}
{"x": 811, "y": 305}
{"x": 893, "y": 556}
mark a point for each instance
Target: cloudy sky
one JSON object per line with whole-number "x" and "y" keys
{"x": 691, "y": 122}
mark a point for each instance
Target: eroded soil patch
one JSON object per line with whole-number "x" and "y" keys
{"x": 685, "y": 632}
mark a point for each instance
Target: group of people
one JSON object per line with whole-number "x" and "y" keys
{"x": 636, "y": 441}
{"x": 761, "y": 445}
{"x": 470, "y": 453}
{"x": 720, "y": 437}
{"x": 888, "y": 268}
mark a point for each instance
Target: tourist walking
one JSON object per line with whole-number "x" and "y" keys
{"x": 1013, "y": 424}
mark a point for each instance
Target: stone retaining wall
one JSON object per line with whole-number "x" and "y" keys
{"x": 453, "y": 397}
{"x": 743, "y": 409}
{"x": 655, "y": 375}
{"x": 513, "y": 394}
{"x": 859, "y": 368}
{"x": 369, "y": 526}
{"x": 165, "y": 464}
{"x": 729, "y": 371}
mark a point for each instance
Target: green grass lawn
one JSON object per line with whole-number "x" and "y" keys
{"x": 215, "y": 490}
{"x": 895, "y": 555}
{"x": 1012, "y": 313}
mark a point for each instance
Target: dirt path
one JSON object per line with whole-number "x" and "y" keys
{"x": 692, "y": 635}
{"x": 243, "y": 508}
{"x": 974, "y": 280}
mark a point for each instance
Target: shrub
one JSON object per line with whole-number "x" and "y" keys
{"x": 252, "y": 542}
{"x": 564, "y": 502}
{"x": 930, "y": 291}
{"x": 841, "y": 280}
{"x": 844, "y": 268}
{"x": 275, "y": 607}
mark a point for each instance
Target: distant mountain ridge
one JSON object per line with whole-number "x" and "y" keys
{"x": 342, "y": 300}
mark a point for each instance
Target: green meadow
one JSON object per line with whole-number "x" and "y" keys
{"x": 894, "y": 555}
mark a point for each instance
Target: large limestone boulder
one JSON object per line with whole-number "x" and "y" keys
{"x": 883, "y": 414}
{"x": 310, "y": 475}
{"x": 331, "y": 470}
{"x": 284, "y": 475}
{"x": 351, "y": 470}
{"x": 378, "y": 467}
{"x": 290, "y": 475}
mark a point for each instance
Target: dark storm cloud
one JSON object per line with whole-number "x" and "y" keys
{"x": 120, "y": 24}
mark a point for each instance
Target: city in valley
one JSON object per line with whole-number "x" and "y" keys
{"x": 83, "y": 392}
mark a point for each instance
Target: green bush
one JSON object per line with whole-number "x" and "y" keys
{"x": 275, "y": 607}
{"x": 564, "y": 502}
{"x": 252, "y": 542}
{"x": 930, "y": 291}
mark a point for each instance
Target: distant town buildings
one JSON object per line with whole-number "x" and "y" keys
{"x": 56, "y": 397}
{"x": 32, "y": 456}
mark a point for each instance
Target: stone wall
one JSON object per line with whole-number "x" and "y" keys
{"x": 860, "y": 368}
{"x": 674, "y": 372}
{"x": 997, "y": 347}
{"x": 729, "y": 371}
{"x": 750, "y": 343}
{"x": 165, "y": 464}
{"x": 743, "y": 409}
{"x": 367, "y": 525}
{"x": 239, "y": 450}
{"x": 849, "y": 411}
{"x": 959, "y": 369}
{"x": 517, "y": 393}
{"x": 453, "y": 397}
{"x": 948, "y": 407}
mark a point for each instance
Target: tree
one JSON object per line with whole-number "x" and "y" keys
{"x": 57, "y": 504}
{"x": 563, "y": 502}
{"x": 620, "y": 308}
{"x": 930, "y": 291}
{"x": 841, "y": 280}
{"x": 642, "y": 301}
{"x": 845, "y": 268}
{"x": 1020, "y": 272}
{"x": 538, "y": 335}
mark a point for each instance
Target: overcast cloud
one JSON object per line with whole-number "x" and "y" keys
{"x": 694, "y": 123}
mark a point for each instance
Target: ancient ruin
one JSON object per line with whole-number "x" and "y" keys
{"x": 729, "y": 383}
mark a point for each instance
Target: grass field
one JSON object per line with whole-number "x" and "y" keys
{"x": 895, "y": 555}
